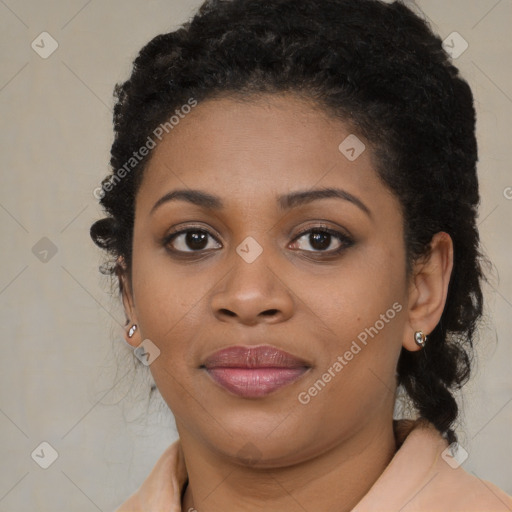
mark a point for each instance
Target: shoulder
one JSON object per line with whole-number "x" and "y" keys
{"x": 463, "y": 491}
{"x": 424, "y": 477}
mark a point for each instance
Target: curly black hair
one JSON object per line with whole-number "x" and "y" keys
{"x": 375, "y": 65}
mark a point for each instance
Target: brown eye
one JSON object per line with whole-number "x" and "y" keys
{"x": 190, "y": 240}
{"x": 321, "y": 239}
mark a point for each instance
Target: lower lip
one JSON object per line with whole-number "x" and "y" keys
{"x": 254, "y": 382}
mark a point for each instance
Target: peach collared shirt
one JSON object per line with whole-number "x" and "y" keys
{"x": 418, "y": 479}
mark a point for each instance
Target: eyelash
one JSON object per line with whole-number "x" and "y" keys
{"x": 344, "y": 239}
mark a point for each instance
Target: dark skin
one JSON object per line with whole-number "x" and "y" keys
{"x": 297, "y": 296}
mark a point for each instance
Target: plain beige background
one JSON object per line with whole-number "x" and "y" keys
{"x": 66, "y": 378}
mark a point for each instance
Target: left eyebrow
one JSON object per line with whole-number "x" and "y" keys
{"x": 296, "y": 199}
{"x": 286, "y": 201}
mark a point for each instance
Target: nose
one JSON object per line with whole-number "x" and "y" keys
{"x": 253, "y": 293}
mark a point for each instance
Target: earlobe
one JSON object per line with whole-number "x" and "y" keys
{"x": 428, "y": 292}
{"x": 132, "y": 330}
{"x": 131, "y": 326}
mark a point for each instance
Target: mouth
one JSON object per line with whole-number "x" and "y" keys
{"x": 254, "y": 372}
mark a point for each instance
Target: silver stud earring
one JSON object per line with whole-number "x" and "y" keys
{"x": 132, "y": 330}
{"x": 420, "y": 338}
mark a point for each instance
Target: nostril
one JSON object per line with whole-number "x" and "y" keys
{"x": 227, "y": 312}
{"x": 270, "y": 312}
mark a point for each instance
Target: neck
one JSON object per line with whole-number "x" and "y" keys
{"x": 335, "y": 480}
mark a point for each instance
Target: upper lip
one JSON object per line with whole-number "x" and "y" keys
{"x": 262, "y": 356}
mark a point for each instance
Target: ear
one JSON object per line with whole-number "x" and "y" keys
{"x": 428, "y": 289}
{"x": 125, "y": 288}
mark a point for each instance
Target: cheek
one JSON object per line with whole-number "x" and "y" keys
{"x": 365, "y": 288}
{"x": 362, "y": 311}
{"x": 355, "y": 376}
{"x": 168, "y": 301}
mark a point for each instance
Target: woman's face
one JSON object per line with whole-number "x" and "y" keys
{"x": 259, "y": 269}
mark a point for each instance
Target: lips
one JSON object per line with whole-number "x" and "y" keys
{"x": 253, "y": 372}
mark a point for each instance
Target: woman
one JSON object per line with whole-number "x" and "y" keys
{"x": 292, "y": 213}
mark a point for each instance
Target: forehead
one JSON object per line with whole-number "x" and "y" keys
{"x": 254, "y": 148}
